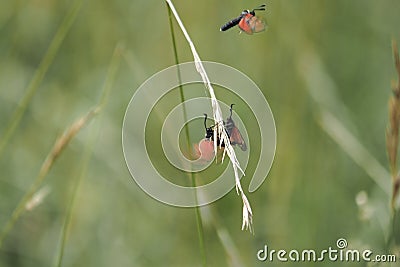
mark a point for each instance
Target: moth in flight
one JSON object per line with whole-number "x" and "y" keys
{"x": 247, "y": 21}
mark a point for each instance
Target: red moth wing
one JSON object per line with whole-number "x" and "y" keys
{"x": 257, "y": 25}
{"x": 204, "y": 150}
{"x": 244, "y": 25}
{"x": 250, "y": 24}
{"x": 236, "y": 138}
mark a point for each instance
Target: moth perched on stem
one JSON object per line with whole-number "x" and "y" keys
{"x": 205, "y": 148}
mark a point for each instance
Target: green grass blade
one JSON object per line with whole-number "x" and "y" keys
{"x": 110, "y": 78}
{"x": 58, "y": 148}
{"x": 199, "y": 223}
{"x": 40, "y": 73}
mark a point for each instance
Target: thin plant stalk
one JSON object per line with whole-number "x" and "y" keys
{"x": 317, "y": 78}
{"x": 219, "y": 129}
{"x": 392, "y": 141}
{"x": 59, "y": 146}
{"x": 319, "y": 85}
{"x": 227, "y": 242}
{"x": 199, "y": 222}
{"x": 110, "y": 78}
{"x": 72, "y": 202}
{"x": 392, "y": 131}
{"x": 40, "y": 73}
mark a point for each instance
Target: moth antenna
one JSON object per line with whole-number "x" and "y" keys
{"x": 205, "y": 120}
{"x": 231, "y": 110}
{"x": 261, "y": 7}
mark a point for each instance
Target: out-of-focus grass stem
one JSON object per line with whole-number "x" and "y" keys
{"x": 392, "y": 142}
{"x": 40, "y": 72}
{"x": 58, "y": 147}
{"x": 110, "y": 78}
{"x": 200, "y": 231}
{"x": 392, "y": 131}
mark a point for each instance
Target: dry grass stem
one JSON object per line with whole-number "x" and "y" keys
{"x": 64, "y": 140}
{"x": 58, "y": 147}
{"x": 219, "y": 130}
{"x": 392, "y": 131}
{"x": 37, "y": 198}
{"x": 110, "y": 78}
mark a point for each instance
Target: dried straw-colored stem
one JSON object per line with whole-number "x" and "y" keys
{"x": 58, "y": 147}
{"x": 392, "y": 131}
{"x": 219, "y": 130}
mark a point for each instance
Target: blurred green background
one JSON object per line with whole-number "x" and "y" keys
{"x": 317, "y": 57}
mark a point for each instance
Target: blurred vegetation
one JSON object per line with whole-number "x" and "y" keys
{"x": 316, "y": 57}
